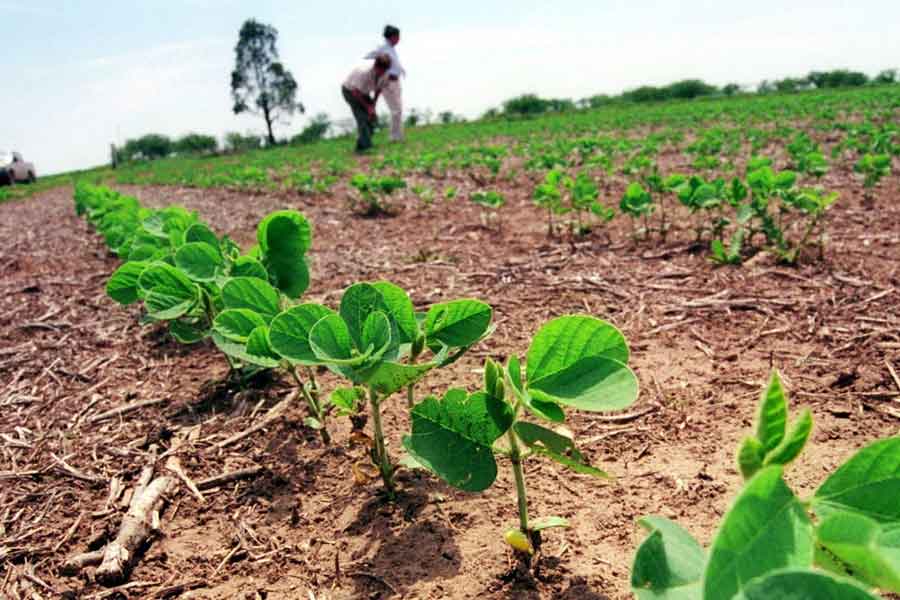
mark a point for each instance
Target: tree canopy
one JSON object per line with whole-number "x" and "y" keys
{"x": 260, "y": 83}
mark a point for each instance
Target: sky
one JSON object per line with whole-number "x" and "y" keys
{"x": 79, "y": 76}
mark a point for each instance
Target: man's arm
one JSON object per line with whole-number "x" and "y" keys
{"x": 365, "y": 100}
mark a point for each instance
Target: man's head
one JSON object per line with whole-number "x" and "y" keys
{"x": 382, "y": 64}
{"x": 391, "y": 34}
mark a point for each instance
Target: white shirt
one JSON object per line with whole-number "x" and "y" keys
{"x": 396, "y": 68}
{"x": 364, "y": 80}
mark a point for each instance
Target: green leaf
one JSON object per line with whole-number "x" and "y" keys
{"x": 514, "y": 372}
{"x": 555, "y": 446}
{"x": 168, "y": 293}
{"x": 453, "y": 438}
{"x": 289, "y": 332}
{"x": 802, "y": 584}
{"x": 347, "y": 399}
{"x": 259, "y": 352}
{"x": 236, "y": 324}
{"x": 668, "y": 565}
{"x": 376, "y": 335}
{"x": 457, "y": 324}
{"x": 246, "y": 266}
{"x": 284, "y": 238}
{"x": 186, "y": 333}
{"x": 238, "y": 351}
{"x": 330, "y": 342}
{"x": 250, "y": 292}
{"x": 153, "y": 225}
{"x": 400, "y": 310}
{"x": 284, "y": 230}
{"x": 291, "y": 276}
{"x": 594, "y": 383}
{"x": 199, "y": 261}
{"x": 868, "y": 483}
{"x": 200, "y": 232}
{"x": 750, "y": 457}
{"x": 766, "y": 529}
{"x": 543, "y": 409}
{"x": 772, "y": 419}
{"x": 163, "y": 307}
{"x": 564, "y": 341}
{"x": 358, "y": 302}
{"x": 389, "y": 377}
{"x": 123, "y": 285}
{"x": 493, "y": 382}
{"x": 871, "y": 552}
{"x": 146, "y": 252}
{"x": 791, "y": 446}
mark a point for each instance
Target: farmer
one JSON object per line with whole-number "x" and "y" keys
{"x": 357, "y": 89}
{"x": 392, "y": 92}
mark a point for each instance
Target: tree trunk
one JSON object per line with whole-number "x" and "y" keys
{"x": 268, "y": 117}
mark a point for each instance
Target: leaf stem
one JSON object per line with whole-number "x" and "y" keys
{"x": 381, "y": 455}
{"x": 314, "y": 407}
{"x": 515, "y": 456}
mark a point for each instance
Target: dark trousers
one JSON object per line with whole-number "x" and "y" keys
{"x": 363, "y": 124}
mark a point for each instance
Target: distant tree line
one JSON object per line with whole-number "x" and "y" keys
{"x": 688, "y": 89}
{"x": 156, "y": 145}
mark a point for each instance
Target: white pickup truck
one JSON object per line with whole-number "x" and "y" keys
{"x": 15, "y": 170}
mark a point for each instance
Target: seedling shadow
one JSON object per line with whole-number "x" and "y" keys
{"x": 219, "y": 395}
{"x": 526, "y": 584}
{"x": 424, "y": 549}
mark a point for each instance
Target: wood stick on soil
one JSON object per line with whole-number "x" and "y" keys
{"x": 174, "y": 465}
{"x": 75, "y": 564}
{"x": 205, "y": 484}
{"x": 893, "y": 373}
{"x": 127, "y": 408}
{"x": 149, "y": 497}
{"x": 274, "y": 413}
{"x": 69, "y": 533}
{"x": 134, "y": 531}
{"x": 179, "y": 588}
{"x": 72, "y": 471}
{"x": 626, "y": 417}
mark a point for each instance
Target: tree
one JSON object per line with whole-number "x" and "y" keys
{"x": 316, "y": 130}
{"x": 731, "y": 89}
{"x": 790, "y": 84}
{"x": 150, "y": 146}
{"x": 837, "y": 78}
{"x": 260, "y": 83}
{"x": 689, "y": 89}
{"x": 235, "y": 142}
{"x": 196, "y": 143}
{"x": 886, "y": 76}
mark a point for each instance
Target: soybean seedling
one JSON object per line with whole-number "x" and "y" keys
{"x": 873, "y": 167}
{"x": 373, "y": 341}
{"x": 838, "y": 544}
{"x": 573, "y": 361}
{"x": 490, "y": 203}
{"x": 374, "y": 193}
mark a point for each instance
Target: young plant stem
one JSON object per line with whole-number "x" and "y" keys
{"x": 314, "y": 406}
{"x": 809, "y": 229}
{"x": 410, "y": 389}
{"x": 381, "y": 455}
{"x": 410, "y": 396}
{"x": 515, "y": 456}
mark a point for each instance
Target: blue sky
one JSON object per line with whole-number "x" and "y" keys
{"x": 80, "y": 75}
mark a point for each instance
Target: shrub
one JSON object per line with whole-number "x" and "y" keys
{"x": 196, "y": 143}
